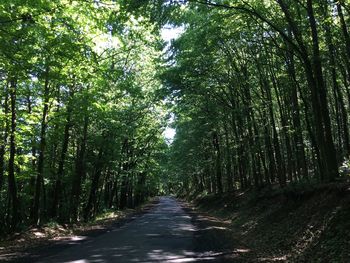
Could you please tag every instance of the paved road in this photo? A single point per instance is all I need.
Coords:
(165, 234)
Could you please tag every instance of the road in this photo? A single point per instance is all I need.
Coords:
(165, 234)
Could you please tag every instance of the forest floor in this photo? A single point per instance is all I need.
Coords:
(299, 224)
(38, 242)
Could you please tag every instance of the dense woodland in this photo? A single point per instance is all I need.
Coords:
(81, 118)
(258, 91)
(262, 94)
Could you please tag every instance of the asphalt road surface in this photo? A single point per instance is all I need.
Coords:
(165, 234)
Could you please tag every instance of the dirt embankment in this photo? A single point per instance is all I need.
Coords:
(298, 224)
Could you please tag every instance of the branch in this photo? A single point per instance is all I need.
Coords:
(254, 13)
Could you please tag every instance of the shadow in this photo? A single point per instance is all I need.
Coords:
(57, 245)
(214, 237)
(165, 234)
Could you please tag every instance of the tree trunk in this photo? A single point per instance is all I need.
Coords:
(324, 132)
(346, 37)
(123, 189)
(298, 135)
(314, 75)
(229, 176)
(4, 138)
(15, 219)
(79, 172)
(58, 183)
(91, 204)
(341, 112)
(40, 172)
(217, 162)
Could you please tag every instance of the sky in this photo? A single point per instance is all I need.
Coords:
(168, 33)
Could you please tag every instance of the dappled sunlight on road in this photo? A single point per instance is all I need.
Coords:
(165, 234)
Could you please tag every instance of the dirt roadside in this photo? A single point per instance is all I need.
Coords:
(214, 236)
(301, 224)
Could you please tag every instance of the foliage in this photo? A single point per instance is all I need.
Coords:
(88, 118)
(261, 91)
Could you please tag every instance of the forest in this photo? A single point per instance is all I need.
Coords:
(258, 92)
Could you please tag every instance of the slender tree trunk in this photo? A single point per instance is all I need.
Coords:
(90, 206)
(4, 138)
(346, 36)
(341, 112)
(314, 75)
(33, 149)
(124, 175)
(229, 176)
(281, 170)
(130, 190)
(79, 172)
(123, 188)
(271, 157)
(40, 172)
(284, 125)
(327, 149)
(15, 219)
(114, 201)
(217, 162)
(298, 135)
(58, 183)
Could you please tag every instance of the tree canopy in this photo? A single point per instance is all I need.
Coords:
(81, 114)
(259, 91)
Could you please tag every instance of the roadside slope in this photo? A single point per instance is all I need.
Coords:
(299, 224)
